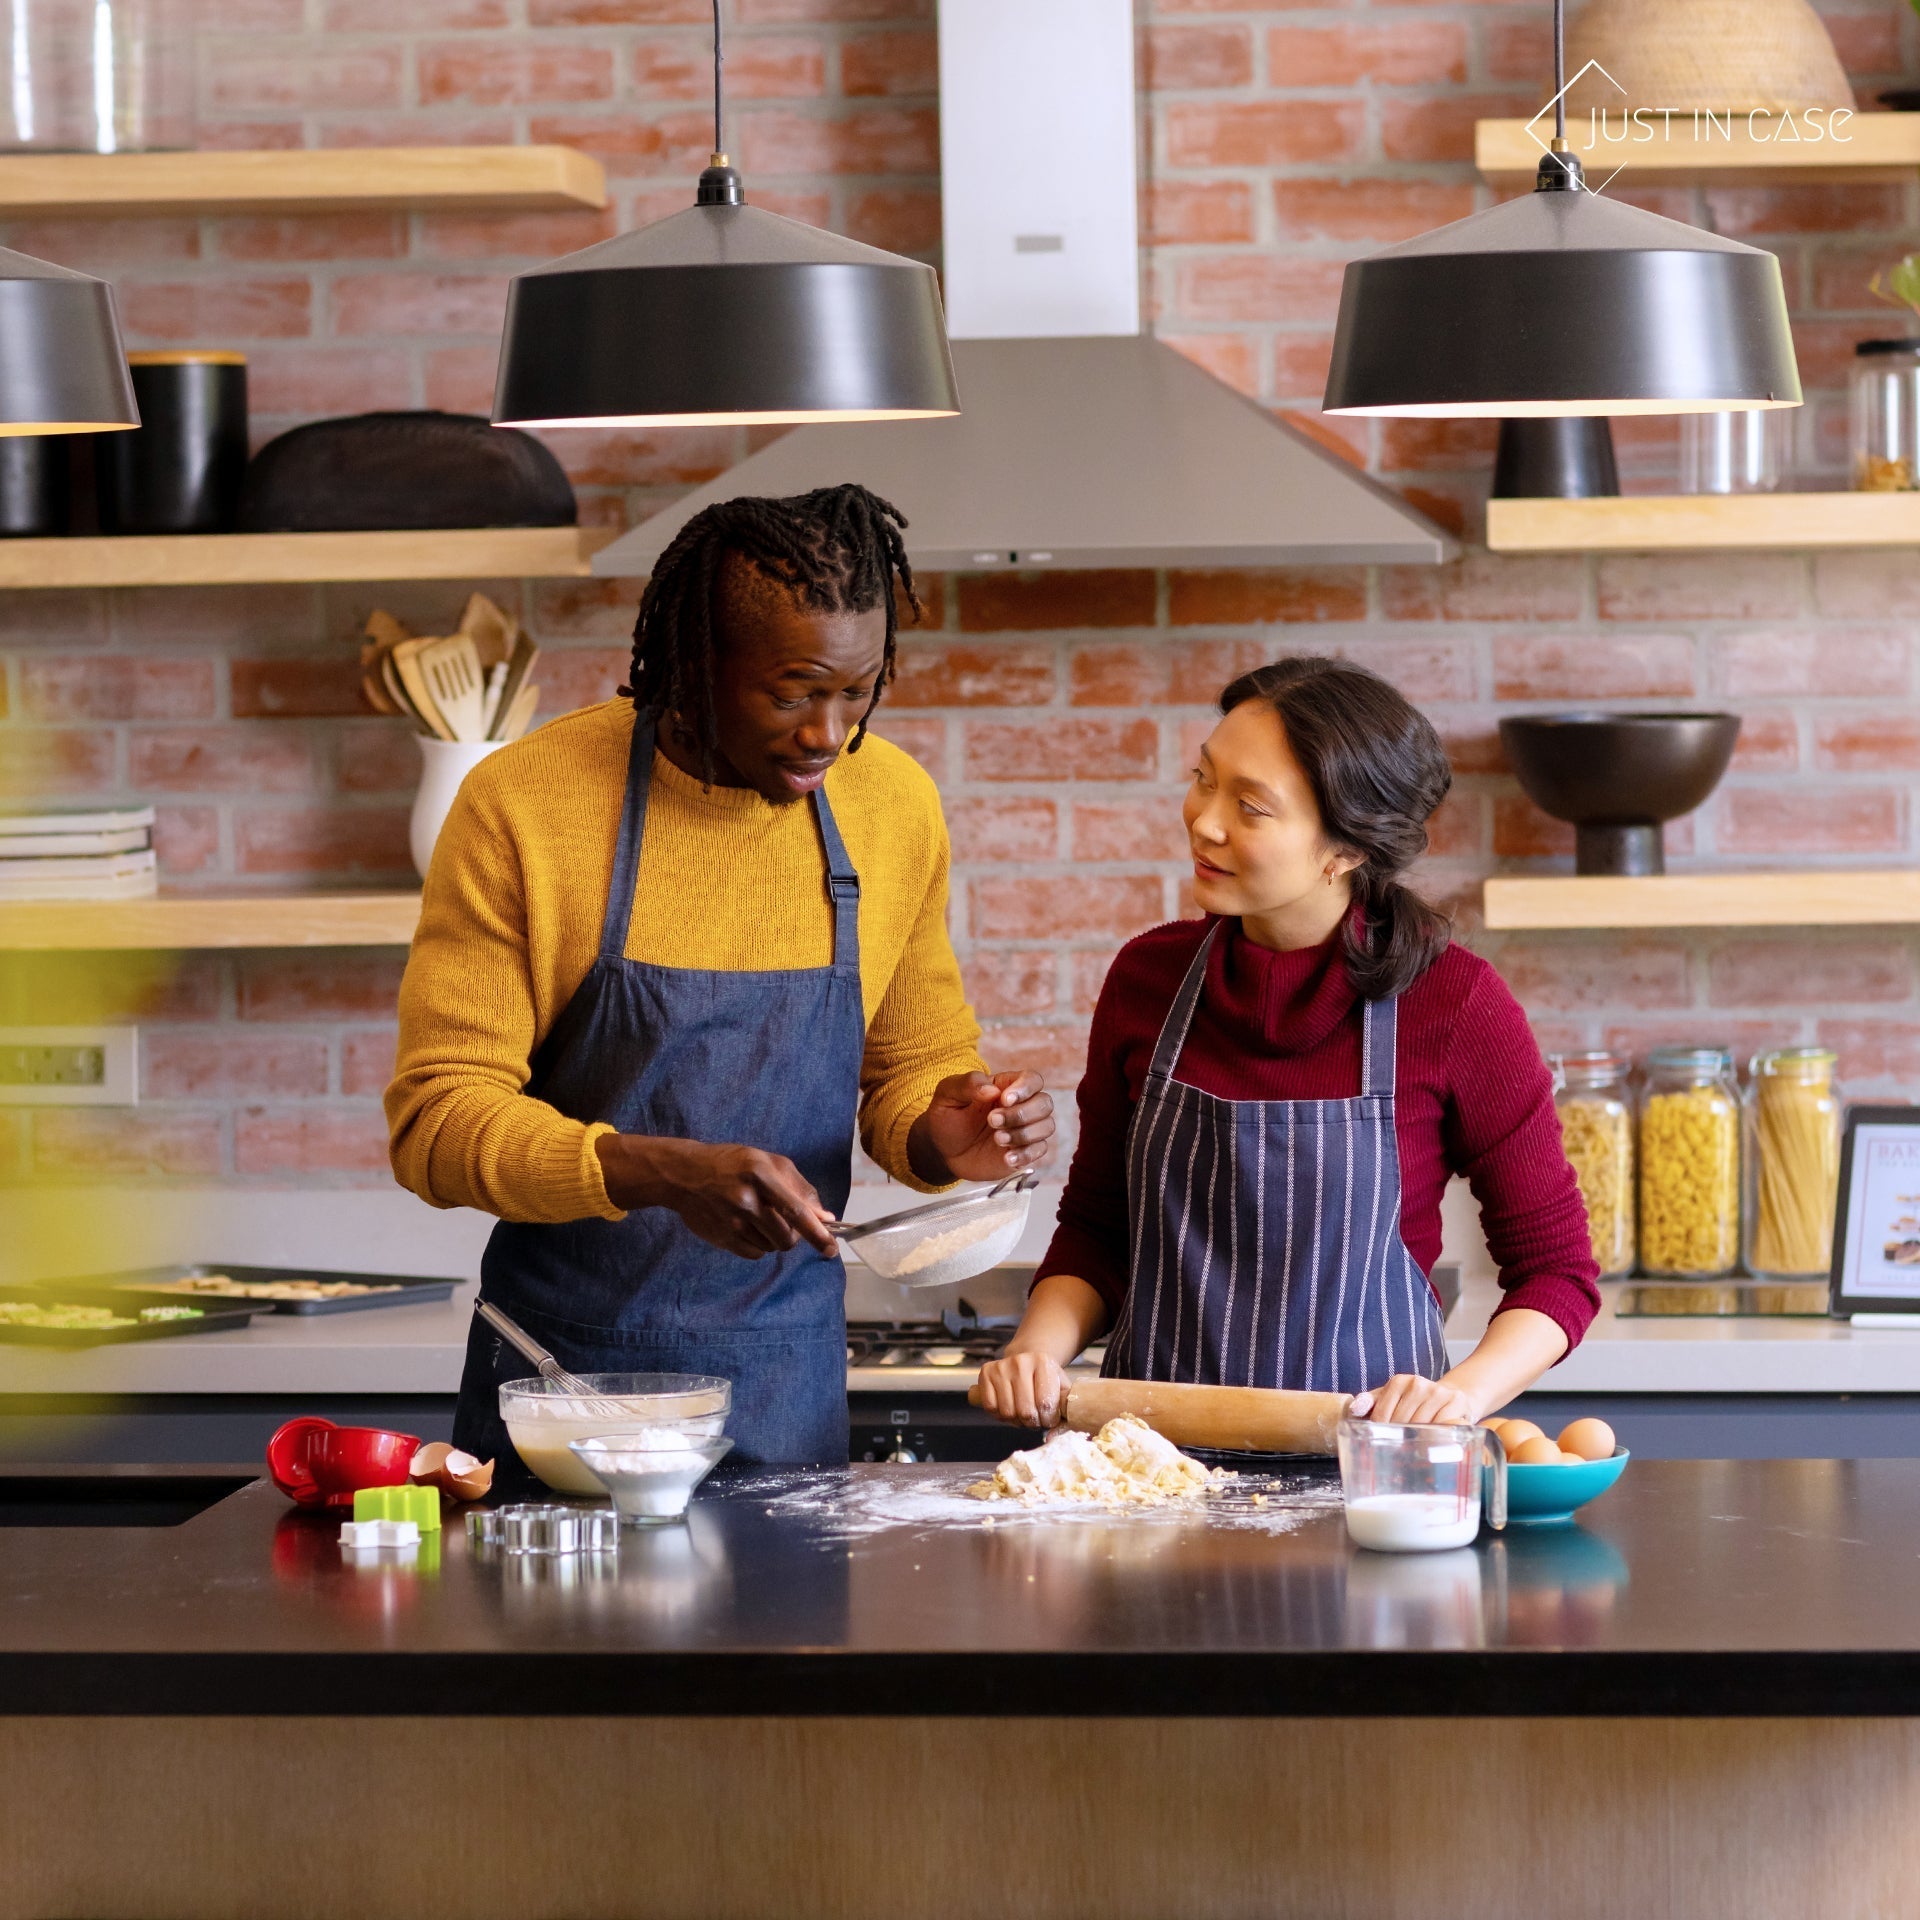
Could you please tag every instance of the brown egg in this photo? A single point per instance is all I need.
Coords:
(1515, 1432)
(1538, 1452)
(1590, 1439)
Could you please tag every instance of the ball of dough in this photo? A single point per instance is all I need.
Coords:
(1590, 1439)
(1538, 1452)
(1516, 1432)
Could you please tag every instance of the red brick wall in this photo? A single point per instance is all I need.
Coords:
(1058, 713)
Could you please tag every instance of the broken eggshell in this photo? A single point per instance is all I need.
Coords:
(459, 1476)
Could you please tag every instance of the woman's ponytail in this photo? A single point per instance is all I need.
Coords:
(1378, 772)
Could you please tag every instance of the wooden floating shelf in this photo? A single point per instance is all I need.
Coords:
(177, 922)
(299, 180)
(1816, 898)
(1638, 522)
(255, 559)
(1685, 152)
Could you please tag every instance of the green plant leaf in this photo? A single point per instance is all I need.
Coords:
(1899, 284)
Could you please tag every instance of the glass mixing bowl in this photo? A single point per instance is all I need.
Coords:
(543, 1422)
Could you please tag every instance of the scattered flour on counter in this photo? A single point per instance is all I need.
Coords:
(867, 1502)
(1126, 1464)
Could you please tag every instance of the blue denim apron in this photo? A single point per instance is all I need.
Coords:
(1265, 1234)
(764, 1059)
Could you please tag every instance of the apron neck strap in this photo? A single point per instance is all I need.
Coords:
(1173, 1030)
(618, 918)
(843, 884)
(1379, 1031)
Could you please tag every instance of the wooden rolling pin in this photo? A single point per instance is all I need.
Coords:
(1238, 1419)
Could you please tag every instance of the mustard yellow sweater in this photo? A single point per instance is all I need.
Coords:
(728, 881)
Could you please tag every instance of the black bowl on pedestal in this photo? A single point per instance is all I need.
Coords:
(1617, 776)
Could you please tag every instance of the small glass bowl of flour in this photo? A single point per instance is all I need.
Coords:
(652, 1471)
(954, 1239)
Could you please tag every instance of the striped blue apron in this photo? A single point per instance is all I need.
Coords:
(1265, 1234)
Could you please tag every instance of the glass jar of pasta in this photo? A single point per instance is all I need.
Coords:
(1793, 1163)
(1596, 1130)
(1689, 1164)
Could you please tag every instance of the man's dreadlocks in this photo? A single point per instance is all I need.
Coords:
(836, 550)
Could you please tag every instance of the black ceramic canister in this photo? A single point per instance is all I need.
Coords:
(180, 471)
(34, 485)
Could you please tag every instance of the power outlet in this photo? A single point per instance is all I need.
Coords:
(69, 1066)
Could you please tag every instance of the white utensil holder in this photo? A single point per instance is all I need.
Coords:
(445, 763)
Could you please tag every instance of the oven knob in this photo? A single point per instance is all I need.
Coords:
(902, 1454)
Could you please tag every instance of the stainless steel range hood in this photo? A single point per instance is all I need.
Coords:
(1081, 442)
(1091, 452)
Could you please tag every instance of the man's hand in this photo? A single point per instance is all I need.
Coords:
(981, 1128)
(739, 1199)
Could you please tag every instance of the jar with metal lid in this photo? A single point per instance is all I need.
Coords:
(1596, 1131)
(1885, 410)
(1689, 1163)
(97, 76)
(1793, 1112)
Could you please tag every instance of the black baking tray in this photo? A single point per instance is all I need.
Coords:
(412, 1290)
(216, 1316)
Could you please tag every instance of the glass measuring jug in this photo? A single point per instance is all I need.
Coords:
(1420, 1489)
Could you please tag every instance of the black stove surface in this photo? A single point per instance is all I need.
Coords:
(959, 1338)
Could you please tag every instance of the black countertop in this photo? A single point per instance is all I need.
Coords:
(1693, 1588)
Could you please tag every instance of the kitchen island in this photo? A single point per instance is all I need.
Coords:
(849, 1694)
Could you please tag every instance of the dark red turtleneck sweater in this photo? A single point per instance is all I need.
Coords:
(1474, 1097)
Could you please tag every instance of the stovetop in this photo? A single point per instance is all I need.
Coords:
(959, 1338)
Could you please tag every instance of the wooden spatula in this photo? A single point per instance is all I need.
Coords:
(491, 630)
(454, 676)
(406, 666)
(1235, 1419)
(526, 703)
(520, 663)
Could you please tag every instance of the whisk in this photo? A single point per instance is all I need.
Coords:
(550, 1369)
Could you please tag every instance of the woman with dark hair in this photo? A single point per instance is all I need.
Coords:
(1276, 1096)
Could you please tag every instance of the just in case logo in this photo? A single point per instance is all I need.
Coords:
(1608, 129)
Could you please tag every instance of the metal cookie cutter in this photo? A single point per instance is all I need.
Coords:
(544, 1529)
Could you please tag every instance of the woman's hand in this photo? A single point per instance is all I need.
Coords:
(738, 1199)
(1410, 1400)
(981, 1128)
(1023, 1389)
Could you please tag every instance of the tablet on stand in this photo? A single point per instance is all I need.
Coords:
(1876, 1221)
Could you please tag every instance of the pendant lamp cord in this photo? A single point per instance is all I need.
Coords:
(1559, 66)
(720, 60)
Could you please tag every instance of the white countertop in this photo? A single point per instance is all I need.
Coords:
(419, 1350)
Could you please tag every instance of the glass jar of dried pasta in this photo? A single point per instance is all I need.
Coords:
(1793, 1111)
(1596, 1131)
(1885, 409)
(1689, 1164)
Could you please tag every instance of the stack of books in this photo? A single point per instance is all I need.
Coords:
(102, 855)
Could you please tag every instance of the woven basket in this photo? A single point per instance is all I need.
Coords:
(1728, 55)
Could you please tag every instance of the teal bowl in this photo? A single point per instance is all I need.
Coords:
(1543, 1496)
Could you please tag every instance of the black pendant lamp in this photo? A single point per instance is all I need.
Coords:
(1562, 303)
(62, 366)
(723, 315)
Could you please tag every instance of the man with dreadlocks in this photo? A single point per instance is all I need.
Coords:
(675, 950)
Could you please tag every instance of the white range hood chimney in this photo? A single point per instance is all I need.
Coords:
(1081, 442)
